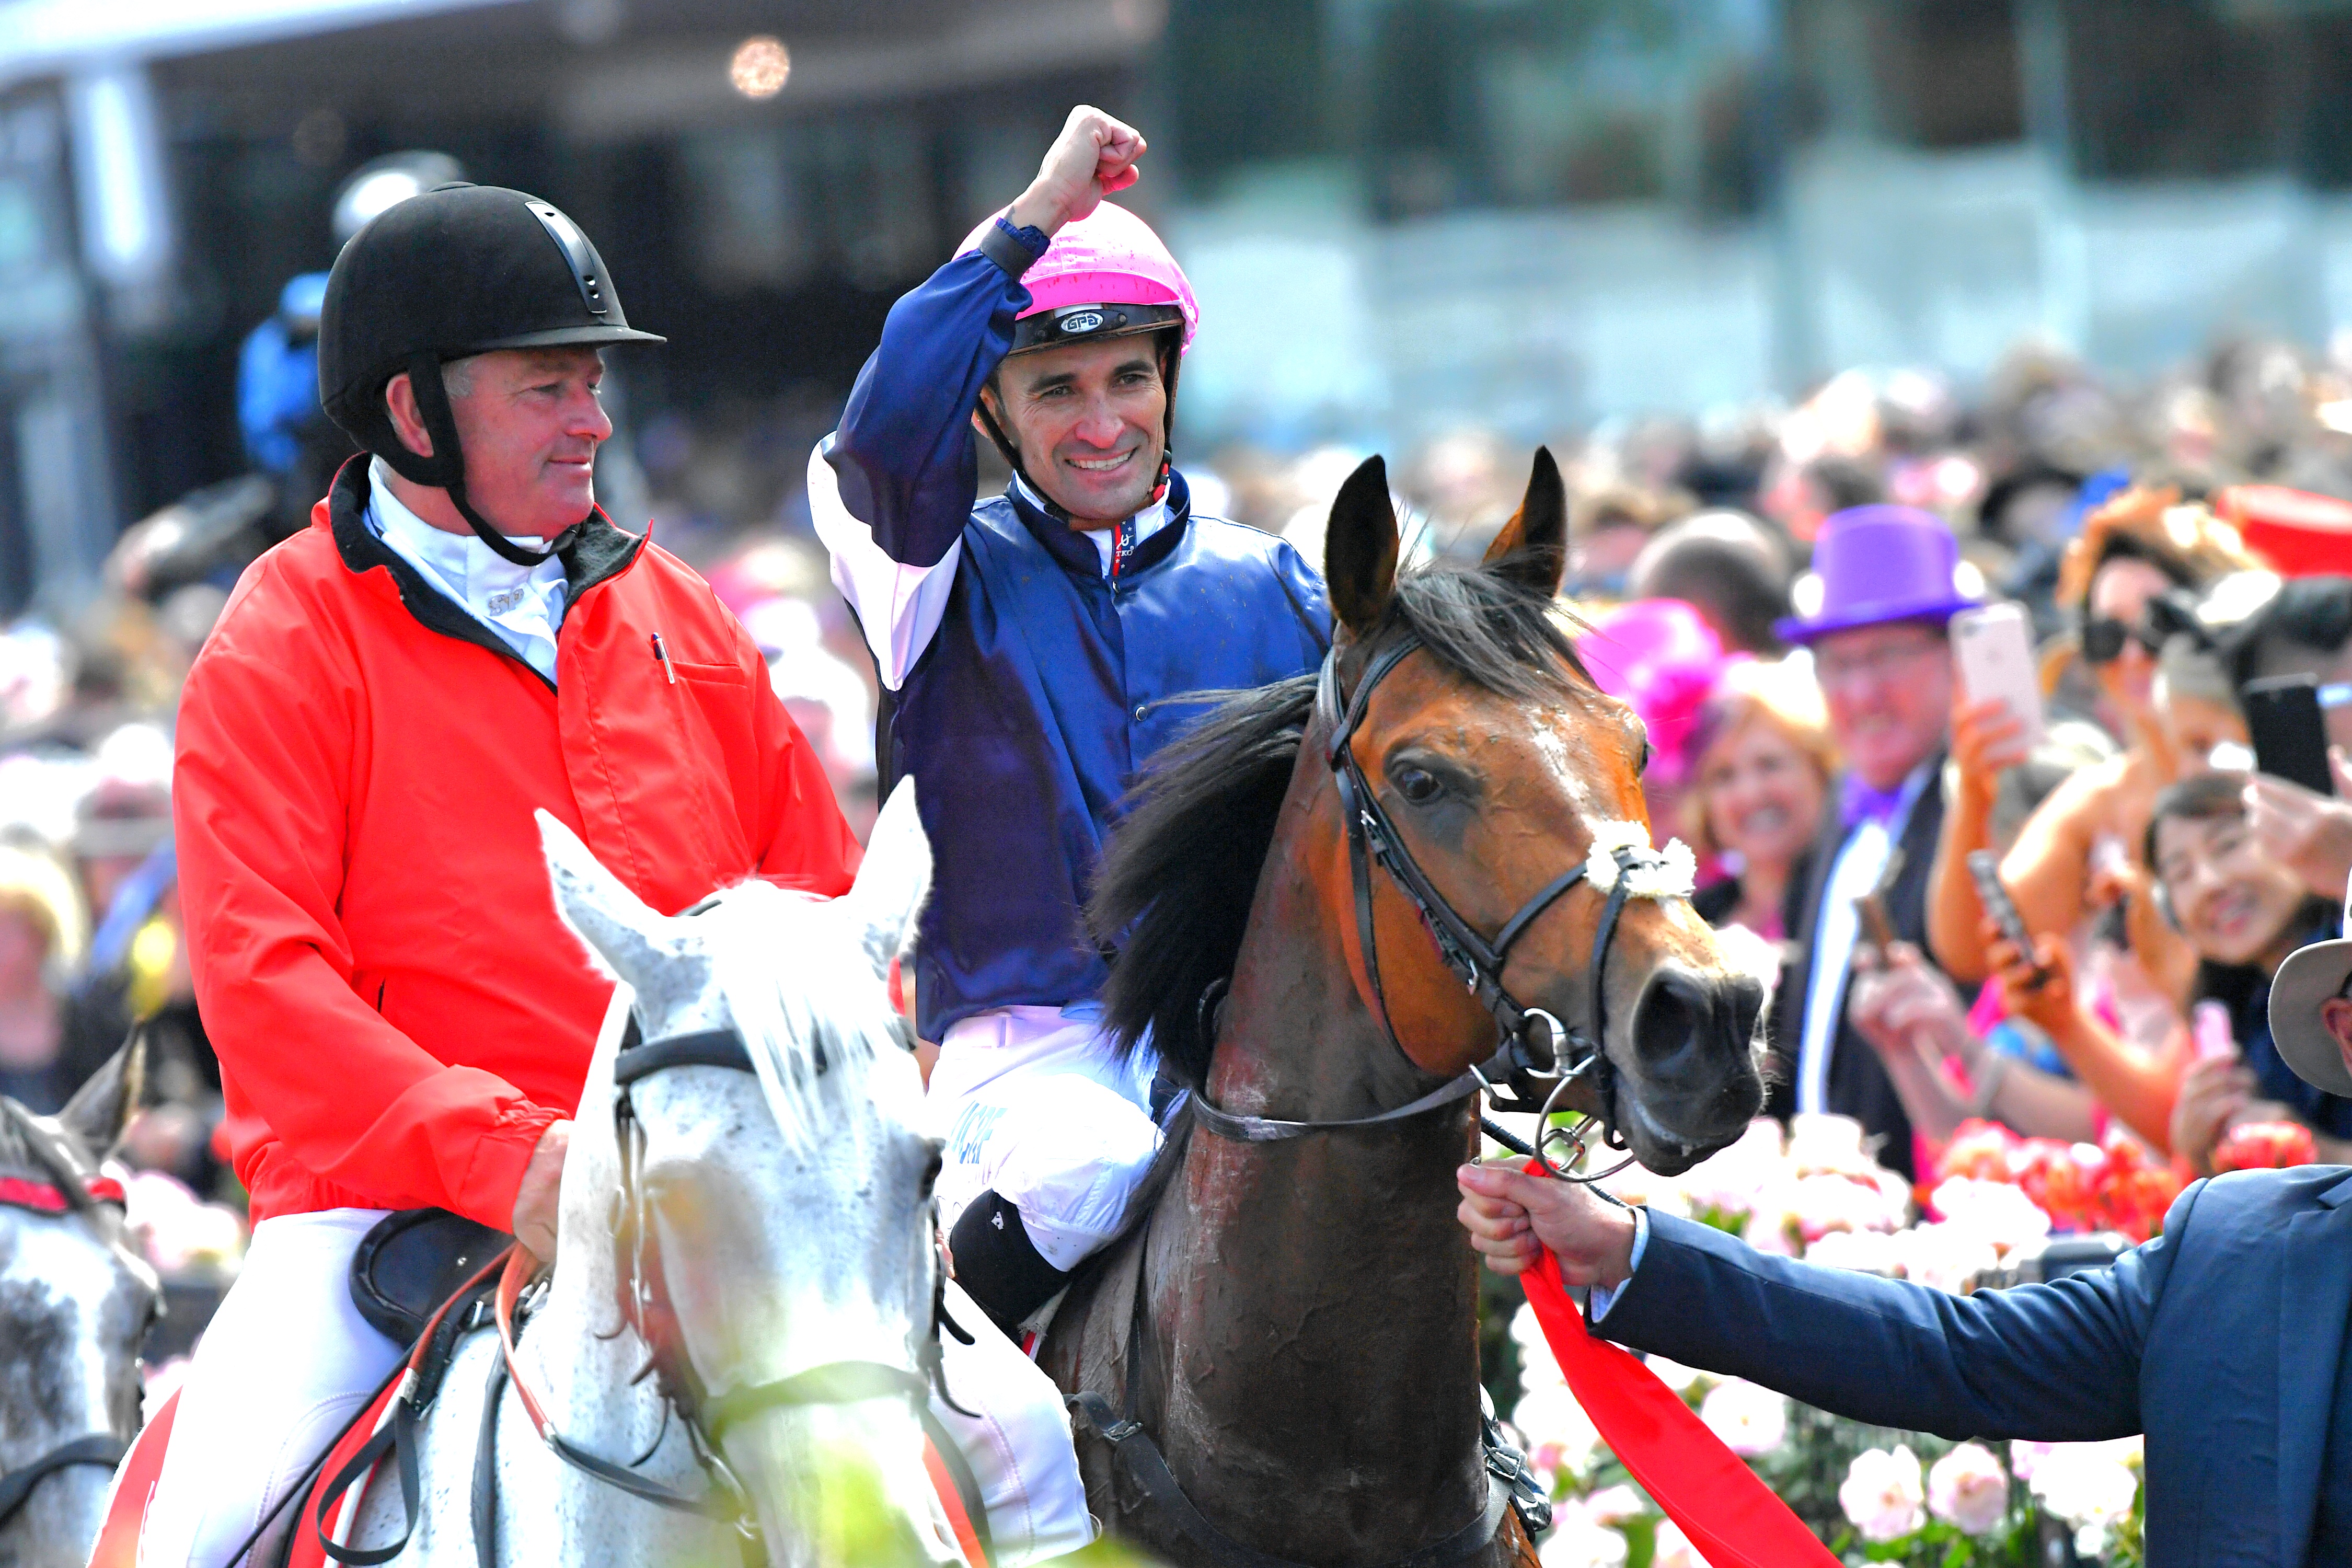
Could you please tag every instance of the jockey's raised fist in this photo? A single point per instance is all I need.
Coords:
(1094, 155)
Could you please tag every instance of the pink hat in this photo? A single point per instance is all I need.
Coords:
(1664, 659)
(1108, 259)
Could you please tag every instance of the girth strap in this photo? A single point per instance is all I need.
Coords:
(97, 1449)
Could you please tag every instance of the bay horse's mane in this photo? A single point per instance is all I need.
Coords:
(1177, 879)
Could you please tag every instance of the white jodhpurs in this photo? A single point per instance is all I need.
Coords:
(1017, 1441)
(1037, 1107)
(286, 1362)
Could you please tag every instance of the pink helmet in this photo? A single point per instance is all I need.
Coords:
(1108, 260)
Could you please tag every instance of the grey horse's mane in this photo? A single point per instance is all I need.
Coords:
(800, 989)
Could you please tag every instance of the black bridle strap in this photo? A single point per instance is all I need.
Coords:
(702, 1048)
(17, 1485)
(834, 1382)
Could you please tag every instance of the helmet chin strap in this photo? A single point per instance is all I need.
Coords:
(446, 466)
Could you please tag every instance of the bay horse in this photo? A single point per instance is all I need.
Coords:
(1292, 1323)
(76, 1300)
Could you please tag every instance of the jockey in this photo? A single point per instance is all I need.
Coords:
(459, 636)
(1037, 648)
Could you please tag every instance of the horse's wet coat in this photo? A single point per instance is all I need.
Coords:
(1308, 1324)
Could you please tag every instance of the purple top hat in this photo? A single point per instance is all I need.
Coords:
(1877, 564)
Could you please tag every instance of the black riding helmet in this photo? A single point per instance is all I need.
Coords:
(455, 271)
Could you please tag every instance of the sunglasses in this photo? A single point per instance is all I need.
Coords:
(2103, 637)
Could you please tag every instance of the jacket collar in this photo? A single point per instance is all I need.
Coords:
(600, 552)
(1076, 553)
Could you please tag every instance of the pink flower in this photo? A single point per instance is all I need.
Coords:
(1967, 1488)
(1883, 1494)
(1750, 1419)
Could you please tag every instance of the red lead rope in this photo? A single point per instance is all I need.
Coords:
(1731, 1517)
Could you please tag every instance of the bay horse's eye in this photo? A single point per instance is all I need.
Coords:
(1416, 786)
(1644, 766)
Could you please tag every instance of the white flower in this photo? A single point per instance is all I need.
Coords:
(1819, 1137)
(1882, 1495)
(1824, 1203)
(1731, 1180)
(1967, 1488)
(1576, 1541)
(1998, 1212)
(1946, 1256)
(1675, 1375)
(1750, 1419)
(2025, 1454)
(1614, 1505)
(1862, 1251)
(2091, 1485)
(1674, 1550)
(1560, 1435)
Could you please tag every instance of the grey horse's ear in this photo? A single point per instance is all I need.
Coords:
(627, 937)
(893, 882)
(101, 1109)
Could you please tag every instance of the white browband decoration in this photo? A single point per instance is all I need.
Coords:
(1668, 873)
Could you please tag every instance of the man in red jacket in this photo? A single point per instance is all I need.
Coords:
(458, 639)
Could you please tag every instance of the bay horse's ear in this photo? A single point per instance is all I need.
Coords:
(1359, 549)
(1532, 549)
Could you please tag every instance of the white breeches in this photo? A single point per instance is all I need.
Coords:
(1036, 1107)
(286, 1362)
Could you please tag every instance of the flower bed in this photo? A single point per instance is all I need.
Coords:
(1873, 1495)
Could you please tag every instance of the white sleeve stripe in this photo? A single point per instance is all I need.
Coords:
(900, 606)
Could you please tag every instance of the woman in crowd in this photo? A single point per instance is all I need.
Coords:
(2132, 550)
(1763, 760)
(41, 942)
(1949, 1062)
(2243, 912)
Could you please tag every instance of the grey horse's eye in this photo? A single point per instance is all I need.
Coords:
(931, 1172)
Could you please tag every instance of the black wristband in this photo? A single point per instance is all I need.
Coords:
(997, 1264)
(1004, 245)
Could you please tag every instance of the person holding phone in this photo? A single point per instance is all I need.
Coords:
(1880, 652)
(2133, 550)
(2245, 912)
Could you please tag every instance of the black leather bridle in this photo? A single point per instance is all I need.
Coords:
(1538, 1074)
(645, 1305)
(78, 1194)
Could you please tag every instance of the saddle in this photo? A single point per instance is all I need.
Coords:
(413, 1261)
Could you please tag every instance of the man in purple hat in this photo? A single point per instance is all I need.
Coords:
(1884, 664)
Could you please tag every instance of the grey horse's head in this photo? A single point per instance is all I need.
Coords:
(792, 1204)
(75, 1303)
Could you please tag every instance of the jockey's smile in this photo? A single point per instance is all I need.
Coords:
(1097, 413)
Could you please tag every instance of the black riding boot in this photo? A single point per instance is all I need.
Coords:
(999, 1267)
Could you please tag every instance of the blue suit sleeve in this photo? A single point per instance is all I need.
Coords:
(2058, 1361)
(904, 454)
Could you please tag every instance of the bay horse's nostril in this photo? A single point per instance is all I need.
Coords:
(1686, 1024)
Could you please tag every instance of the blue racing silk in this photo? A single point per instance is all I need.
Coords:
(1031, 678)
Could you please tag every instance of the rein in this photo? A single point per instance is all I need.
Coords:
(67, 1190)
(1475, 960)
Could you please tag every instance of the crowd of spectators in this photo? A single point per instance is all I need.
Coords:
(2170, 541)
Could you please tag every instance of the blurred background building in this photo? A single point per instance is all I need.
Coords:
(1402, 216)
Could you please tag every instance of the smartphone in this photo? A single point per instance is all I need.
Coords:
(1877, 927)
(1984, 868)
(2290, 734)
(1993, 647)
(2209, 1030)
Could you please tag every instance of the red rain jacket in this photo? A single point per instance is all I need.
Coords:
(399, 1010)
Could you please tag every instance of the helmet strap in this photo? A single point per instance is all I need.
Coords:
(445, 469)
